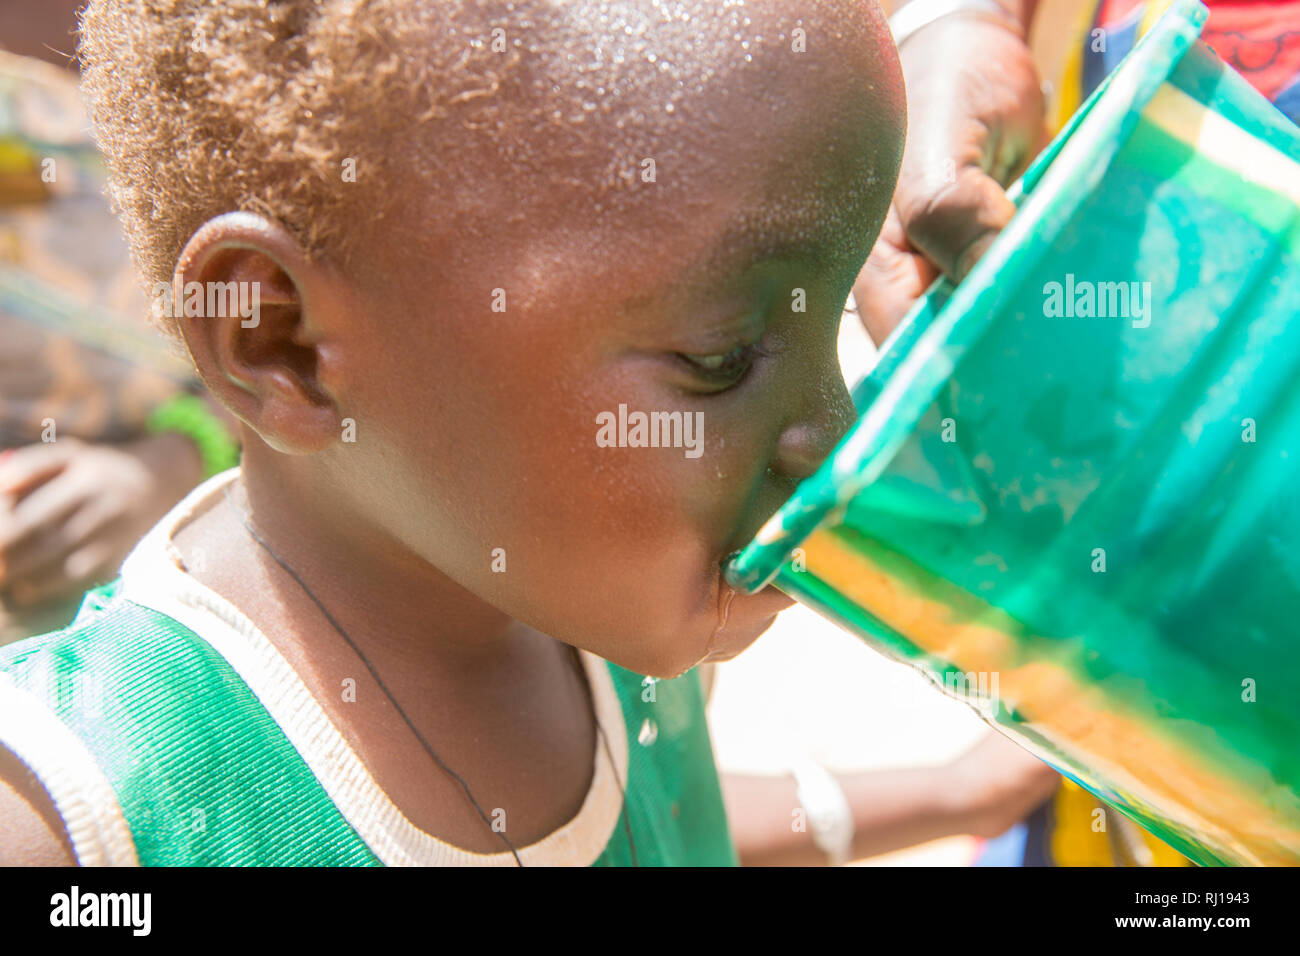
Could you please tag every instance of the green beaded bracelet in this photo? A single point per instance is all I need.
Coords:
(190, 416)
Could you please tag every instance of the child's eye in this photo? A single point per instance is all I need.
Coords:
(724, 368)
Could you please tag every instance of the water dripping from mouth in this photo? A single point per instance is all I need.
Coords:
(726, 606)
(725, 598)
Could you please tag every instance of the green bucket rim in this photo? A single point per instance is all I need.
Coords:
(924, 350)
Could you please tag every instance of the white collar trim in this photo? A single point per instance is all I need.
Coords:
(154, 577)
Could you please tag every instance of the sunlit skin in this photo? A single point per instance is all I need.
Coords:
(476, 429)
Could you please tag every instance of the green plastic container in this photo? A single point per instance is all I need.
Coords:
(1073, 494)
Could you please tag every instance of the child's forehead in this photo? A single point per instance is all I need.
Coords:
(693, 228)
(625, 73)
(625, 113)
(684, 174)
(651, 267)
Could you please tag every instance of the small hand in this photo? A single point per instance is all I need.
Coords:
(71, 511)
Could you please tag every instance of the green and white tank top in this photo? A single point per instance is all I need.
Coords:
(169, 731)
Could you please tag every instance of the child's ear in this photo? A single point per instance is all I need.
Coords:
(242, 297)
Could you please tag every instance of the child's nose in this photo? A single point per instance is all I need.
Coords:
(827, 414)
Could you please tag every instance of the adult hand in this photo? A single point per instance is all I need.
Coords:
(975, 120)
(71, 511)
(998, 784)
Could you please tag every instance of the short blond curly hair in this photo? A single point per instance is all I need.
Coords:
(204, 107)
(208, 106)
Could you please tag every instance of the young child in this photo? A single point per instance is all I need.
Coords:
(477, 234)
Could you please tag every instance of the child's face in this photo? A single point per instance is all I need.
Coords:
(482, 429)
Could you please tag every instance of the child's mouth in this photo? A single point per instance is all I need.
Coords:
(741, 619)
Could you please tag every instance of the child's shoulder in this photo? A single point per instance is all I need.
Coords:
(56, 804)
(153, 750)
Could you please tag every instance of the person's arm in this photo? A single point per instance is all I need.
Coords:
(975, 120)
(982, 793)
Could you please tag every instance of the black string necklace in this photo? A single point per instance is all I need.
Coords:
(284, 565)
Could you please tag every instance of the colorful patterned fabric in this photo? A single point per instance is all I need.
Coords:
(1260, 39)
(77, 345)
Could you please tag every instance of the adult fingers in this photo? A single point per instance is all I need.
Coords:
(49, 504)
(956, 224)
(22, 469)
(893, 278)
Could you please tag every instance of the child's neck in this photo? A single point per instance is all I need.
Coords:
(503, 704)
(364, 578)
